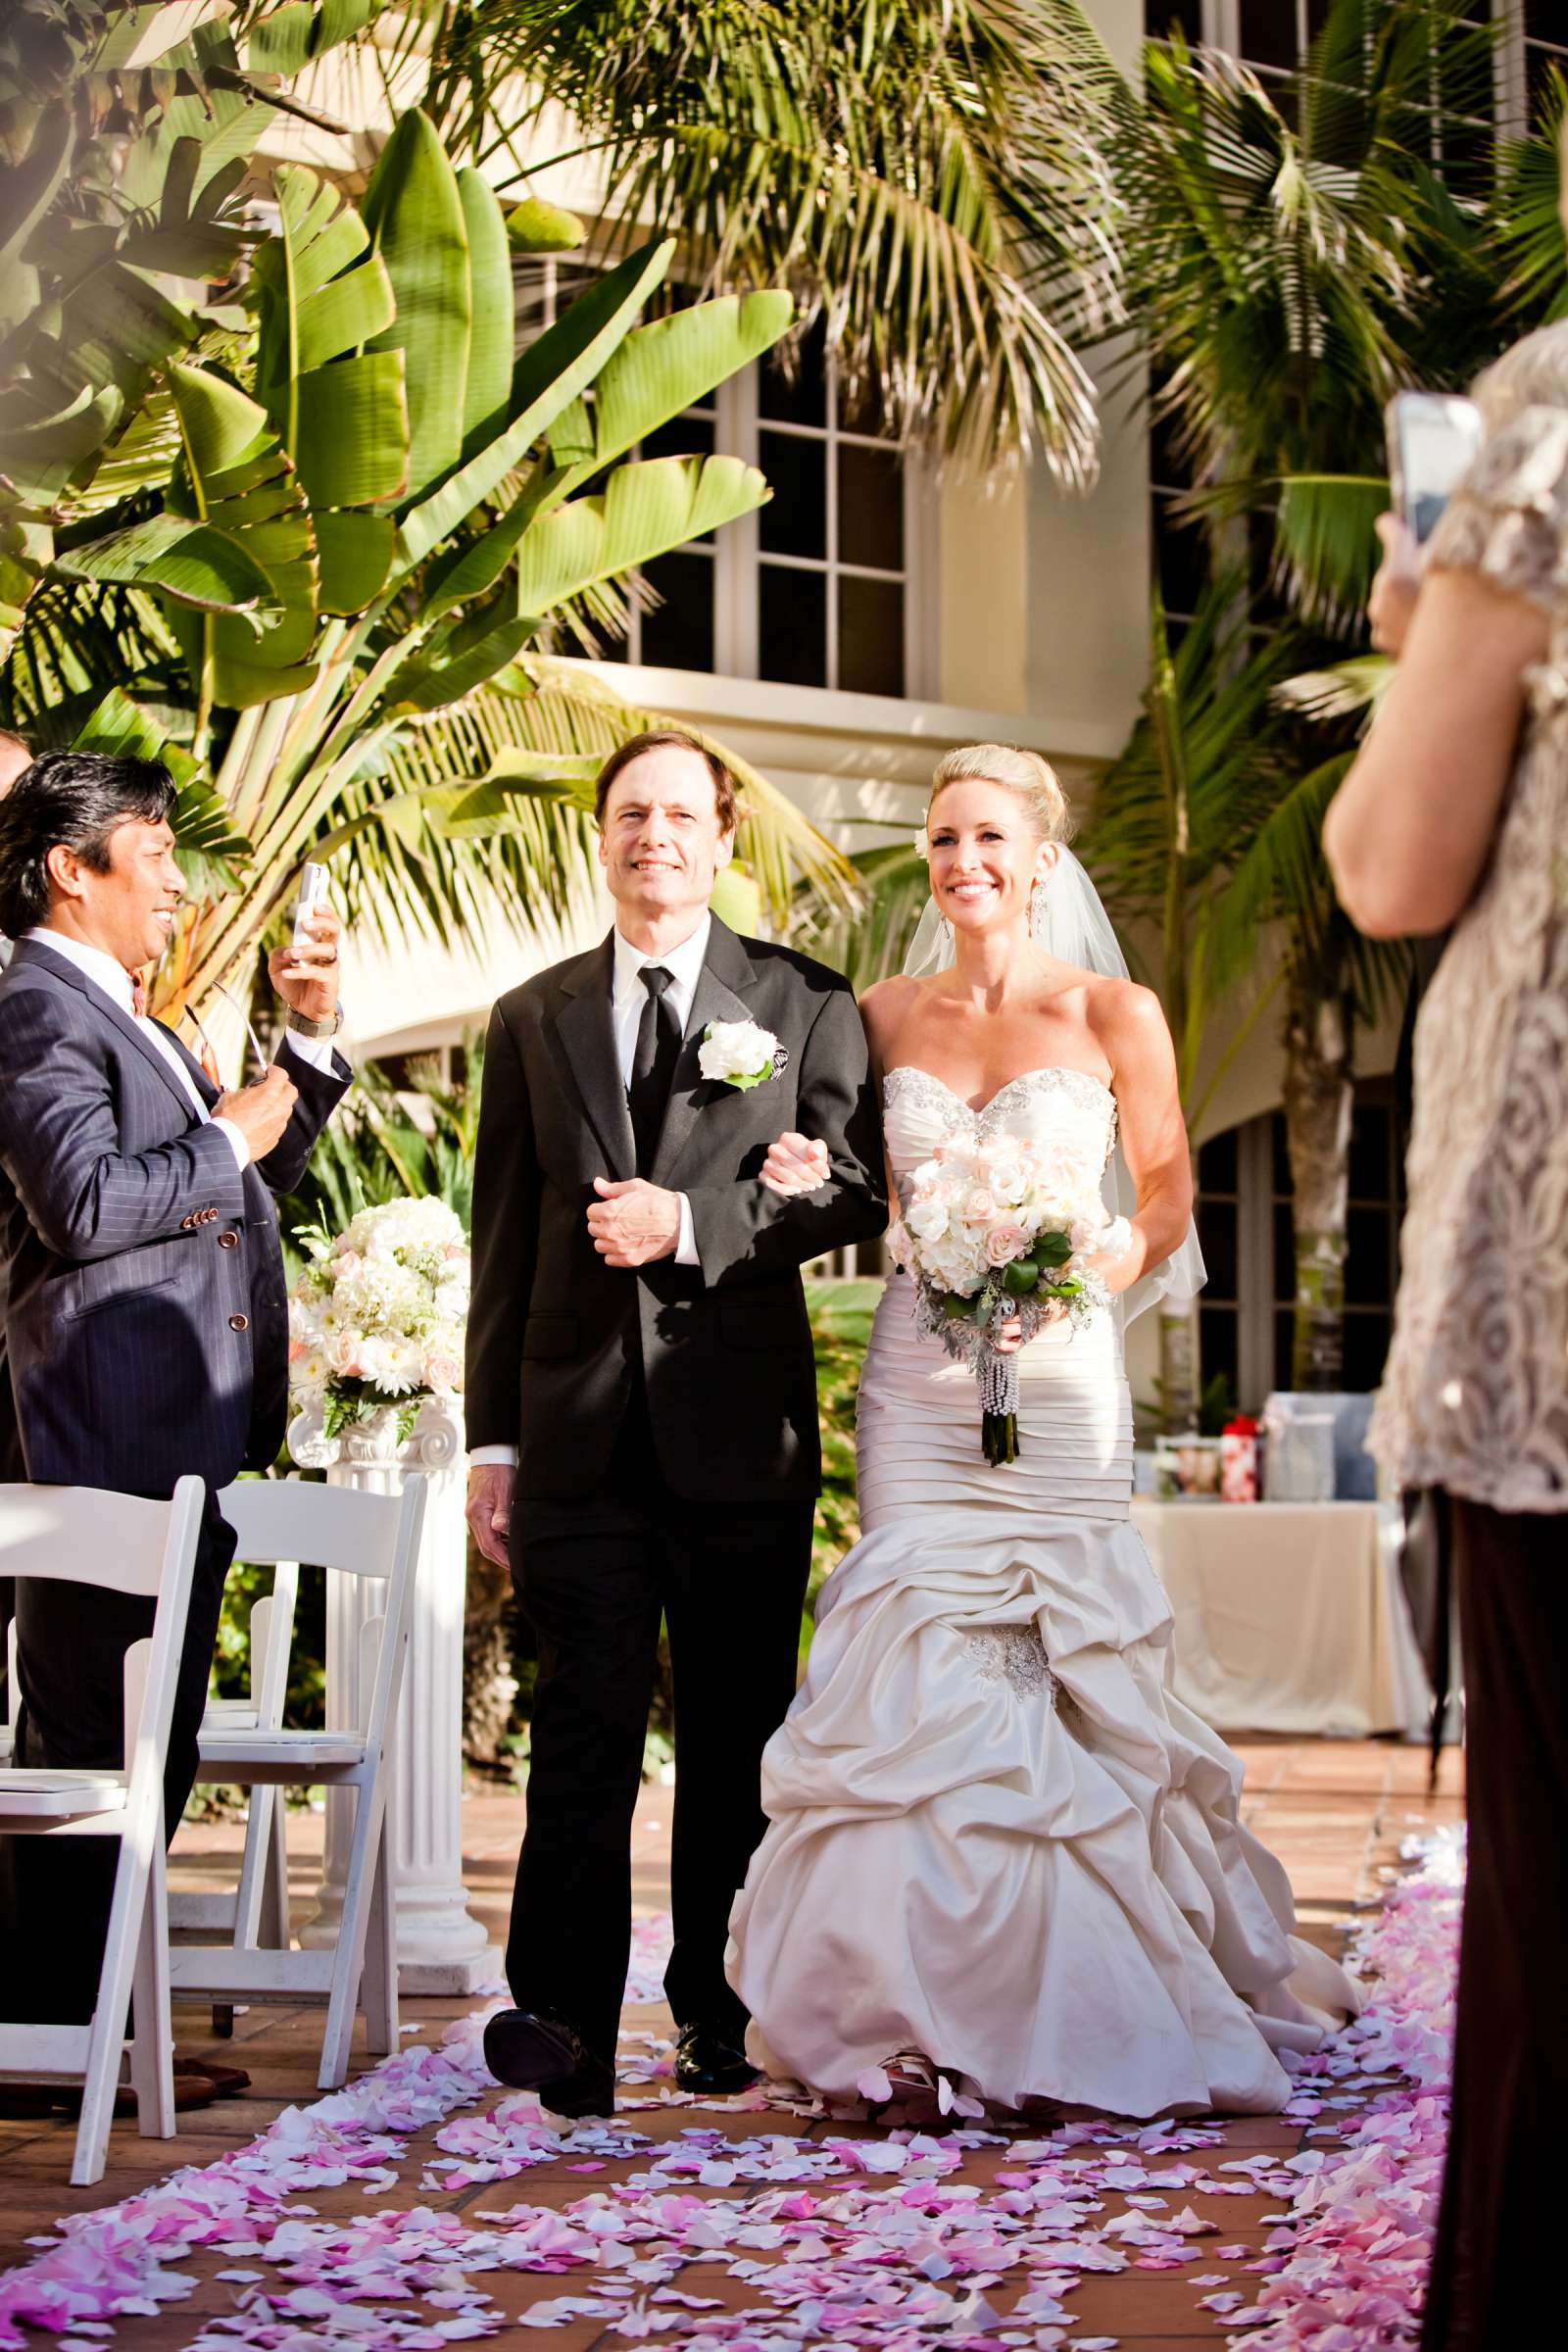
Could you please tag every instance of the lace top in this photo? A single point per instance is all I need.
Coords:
(1067, 1109)
(1475, 1394)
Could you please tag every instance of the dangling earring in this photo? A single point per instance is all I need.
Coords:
(1038, 898)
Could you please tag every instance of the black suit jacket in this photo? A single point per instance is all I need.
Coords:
(556, 1339)
(147, 1317)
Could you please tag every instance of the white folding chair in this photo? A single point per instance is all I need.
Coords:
(254, 1913)
(349, 1533)
(85, 1536)
(8, 1729)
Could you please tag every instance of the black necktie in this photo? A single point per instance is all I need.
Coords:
(652, 1065)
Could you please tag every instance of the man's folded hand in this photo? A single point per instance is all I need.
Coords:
(489, 1508)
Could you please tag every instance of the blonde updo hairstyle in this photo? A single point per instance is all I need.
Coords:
(1025, 774)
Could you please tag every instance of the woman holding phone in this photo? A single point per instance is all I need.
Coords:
(1456, 813)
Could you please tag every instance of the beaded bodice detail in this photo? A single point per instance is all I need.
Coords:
(1067, 1109)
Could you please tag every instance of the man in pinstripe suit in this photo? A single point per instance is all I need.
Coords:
(13, 758)
(146, 1320)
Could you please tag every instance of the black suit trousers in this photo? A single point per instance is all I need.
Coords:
(1493, 2259)
(594, 1575)
(55, 1893)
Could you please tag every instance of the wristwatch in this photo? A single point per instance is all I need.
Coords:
(300, 1027)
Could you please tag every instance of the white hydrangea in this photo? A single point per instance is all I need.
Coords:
(379, 1314)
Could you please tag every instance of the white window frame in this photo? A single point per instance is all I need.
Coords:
(739, 557)
(1513, 83)
(737, 551)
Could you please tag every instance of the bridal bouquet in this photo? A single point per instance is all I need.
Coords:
(989, 1232)
(376, 1317)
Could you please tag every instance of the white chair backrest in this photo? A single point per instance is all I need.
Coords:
(350, 1531)
(87, 1535)
(271, 1631)
(342, 1528)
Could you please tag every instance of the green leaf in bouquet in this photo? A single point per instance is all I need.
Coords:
(1051, 1248)
(956, 1305)
(1020, 1277)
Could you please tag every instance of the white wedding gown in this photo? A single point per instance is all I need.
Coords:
(996, 1835)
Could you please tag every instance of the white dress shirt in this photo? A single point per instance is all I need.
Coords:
(629, 995)
(108, 973)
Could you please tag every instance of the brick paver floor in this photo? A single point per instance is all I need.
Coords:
(1335, 1813)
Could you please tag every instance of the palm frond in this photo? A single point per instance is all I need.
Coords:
(408, 869)
(1221, 692)
(868, 941)
(1325, 549)
(1529, 228)
(929, 177)
(1346, 691)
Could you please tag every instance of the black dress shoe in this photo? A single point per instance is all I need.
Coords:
(545, 2054)
(708, 2061)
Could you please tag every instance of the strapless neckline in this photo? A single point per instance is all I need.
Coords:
(1049, 1070)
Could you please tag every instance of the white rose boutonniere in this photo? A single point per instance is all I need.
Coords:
(739, 1053)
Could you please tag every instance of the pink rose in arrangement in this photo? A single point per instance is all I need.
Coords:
(1004, 1243)
(343, 1353)
(980, 1207)
(345, 1262)
(444, 1374)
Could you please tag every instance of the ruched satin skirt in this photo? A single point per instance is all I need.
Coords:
(996, 1837)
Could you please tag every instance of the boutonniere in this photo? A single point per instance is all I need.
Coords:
(739, 1053)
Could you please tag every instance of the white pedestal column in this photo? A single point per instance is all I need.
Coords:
(442, 1948)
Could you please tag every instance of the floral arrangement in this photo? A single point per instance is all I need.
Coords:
(989, 1234)
(376, 1317)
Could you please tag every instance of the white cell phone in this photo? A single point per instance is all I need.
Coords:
(1433, 438)
(314, 881)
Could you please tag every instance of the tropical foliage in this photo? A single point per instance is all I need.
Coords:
(1297, 253)
(930, 177)
(307, 520)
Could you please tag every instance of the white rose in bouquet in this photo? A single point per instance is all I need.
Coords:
(996, 1234)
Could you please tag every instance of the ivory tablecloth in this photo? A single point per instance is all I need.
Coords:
(1288, 1616)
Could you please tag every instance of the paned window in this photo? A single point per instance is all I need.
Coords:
(832, 582)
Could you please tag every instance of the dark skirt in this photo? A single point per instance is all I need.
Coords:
(1496, 2239)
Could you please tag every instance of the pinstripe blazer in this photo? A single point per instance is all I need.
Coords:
(147, 1315)
(12, 1465)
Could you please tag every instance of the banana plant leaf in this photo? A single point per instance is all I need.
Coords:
(550, 374)
(413, 210)
(239, 477)
(191, 563)
(644, 509)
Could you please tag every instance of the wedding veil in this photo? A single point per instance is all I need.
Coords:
(1069, 922)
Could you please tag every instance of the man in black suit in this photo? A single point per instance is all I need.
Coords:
(147, 1317)
(642, 1400)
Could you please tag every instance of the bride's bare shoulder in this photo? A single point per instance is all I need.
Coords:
(1126, 1019)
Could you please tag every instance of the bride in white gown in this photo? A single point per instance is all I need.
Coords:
(1000, 1848)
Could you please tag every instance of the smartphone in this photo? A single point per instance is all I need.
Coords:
(313, 890)
(1433, 437)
